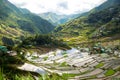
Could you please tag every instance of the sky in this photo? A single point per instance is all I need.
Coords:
(57, 6)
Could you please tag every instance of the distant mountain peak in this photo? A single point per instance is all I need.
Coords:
(57, 19)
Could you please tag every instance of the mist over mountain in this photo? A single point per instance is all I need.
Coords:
(57, 19)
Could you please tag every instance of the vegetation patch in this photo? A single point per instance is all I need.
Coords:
(63, 64)
(63, 53)
(34, 57)
(118, 69)
(67, 75)
(99, 65)
(65, 56)
(1, 74)
(45, 58)
(29, 77)
(42, 40)
(109, 72)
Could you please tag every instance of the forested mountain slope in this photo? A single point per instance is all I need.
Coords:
(20, 18)
(98, 24)
(16, 22)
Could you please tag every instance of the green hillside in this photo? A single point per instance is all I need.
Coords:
(97, 25)
(14, 17)
(9, 32)
(16, 22)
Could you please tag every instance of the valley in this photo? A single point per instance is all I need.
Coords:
(54, 46)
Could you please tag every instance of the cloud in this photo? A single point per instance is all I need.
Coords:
(57, 6)
(63, 5)
(21, 4)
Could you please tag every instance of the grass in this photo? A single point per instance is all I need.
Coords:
(8, 67)
(55, 76)
(34, 57)
(70, 75)
(45, 58)
(9, 73)
(65, 56)
(75, 40)
(99, 65)
(118, 69)
(52, 76)
(109, 72)
(67, 75)
(1, 74)
(63, 64)
(29, 77)
(64, 53)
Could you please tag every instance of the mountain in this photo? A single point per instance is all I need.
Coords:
(56, 19)
(23, 19)
(105, 5)
(16, 23)
(96, 24)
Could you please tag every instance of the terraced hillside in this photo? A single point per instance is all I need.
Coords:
(77, 65)
(9, 32)
(100, 23)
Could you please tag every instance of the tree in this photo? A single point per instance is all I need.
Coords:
(7, 41)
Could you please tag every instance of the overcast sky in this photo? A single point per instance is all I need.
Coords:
(57, 6)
